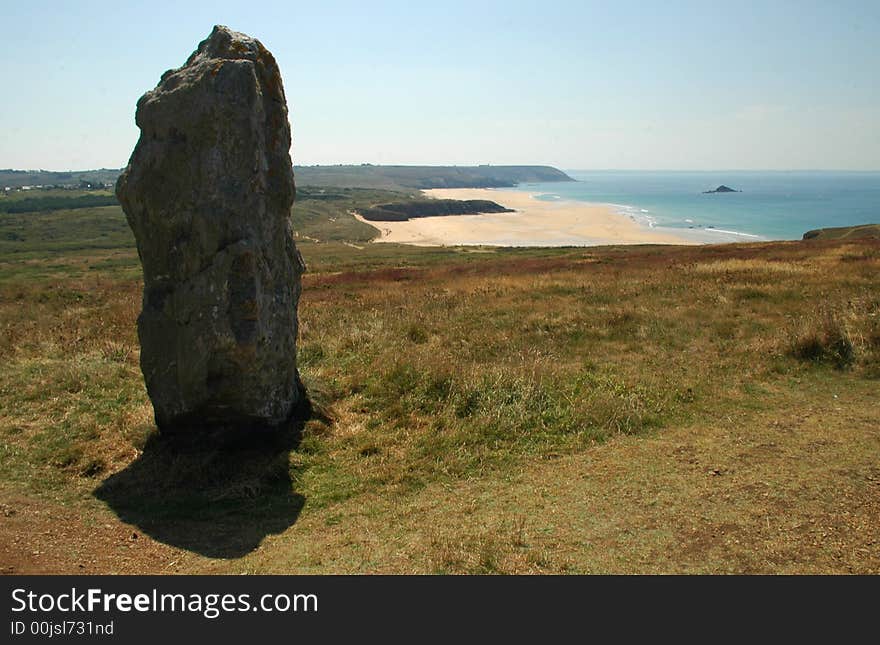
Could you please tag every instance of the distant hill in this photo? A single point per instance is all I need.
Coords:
(844, 232)
(71, 179)
(362, 176)
(422, 177)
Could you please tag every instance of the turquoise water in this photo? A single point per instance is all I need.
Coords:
(772, 205)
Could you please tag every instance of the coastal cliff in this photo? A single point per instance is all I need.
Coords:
(844, 232)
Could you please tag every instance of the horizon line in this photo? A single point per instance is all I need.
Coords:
(483, 165)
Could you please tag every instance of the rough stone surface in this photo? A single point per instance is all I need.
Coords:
(208, 192)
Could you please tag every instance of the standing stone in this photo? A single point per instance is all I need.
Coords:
(208, 192)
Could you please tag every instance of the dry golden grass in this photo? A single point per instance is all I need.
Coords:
(752, 266)
(581, 410)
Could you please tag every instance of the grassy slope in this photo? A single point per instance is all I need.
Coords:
(615, 409)
(844, 232)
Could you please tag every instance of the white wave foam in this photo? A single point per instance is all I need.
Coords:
(545, 196)
(639, 215)
(721, 230)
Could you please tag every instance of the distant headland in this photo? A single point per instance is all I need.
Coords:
(426, 177)
(360, 176)
(721, 189)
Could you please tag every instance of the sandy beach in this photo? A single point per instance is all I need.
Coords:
(535, 223)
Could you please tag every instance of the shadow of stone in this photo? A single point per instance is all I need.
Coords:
(216, 493)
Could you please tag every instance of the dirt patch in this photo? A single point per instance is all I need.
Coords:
(39, 537)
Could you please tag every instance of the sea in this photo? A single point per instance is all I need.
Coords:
(772, 205)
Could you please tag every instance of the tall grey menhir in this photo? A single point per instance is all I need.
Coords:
(208, 192)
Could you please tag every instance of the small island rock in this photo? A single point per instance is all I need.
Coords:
(722, 189)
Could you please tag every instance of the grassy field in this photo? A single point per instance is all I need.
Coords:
(475, 410)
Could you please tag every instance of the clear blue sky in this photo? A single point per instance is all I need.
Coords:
(614, 84)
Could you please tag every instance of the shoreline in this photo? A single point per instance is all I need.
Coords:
(534, 223)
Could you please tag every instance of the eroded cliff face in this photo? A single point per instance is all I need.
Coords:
(208, 192)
